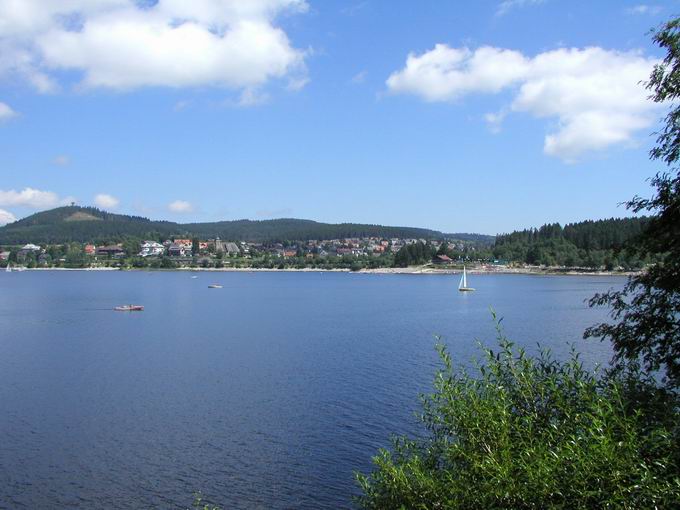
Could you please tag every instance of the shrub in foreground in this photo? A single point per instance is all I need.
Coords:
(532, 432)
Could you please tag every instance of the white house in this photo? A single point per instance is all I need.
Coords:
(151, 249)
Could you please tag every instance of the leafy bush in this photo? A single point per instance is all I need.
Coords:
(532, 432)
(199, 504)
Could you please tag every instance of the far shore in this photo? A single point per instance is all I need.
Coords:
(413, 270)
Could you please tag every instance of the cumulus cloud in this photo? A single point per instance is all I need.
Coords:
(29, 197)
(180, 206)
(126, 44)
(445, 74)
(6, 112)
(6, 217)
(593, 94)
(106, 201)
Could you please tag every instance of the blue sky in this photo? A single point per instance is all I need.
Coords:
(507, 114)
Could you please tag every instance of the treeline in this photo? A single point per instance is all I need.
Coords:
(423, 253)
(593, 244)
(280, 230)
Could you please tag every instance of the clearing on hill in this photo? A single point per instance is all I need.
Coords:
(82, 216)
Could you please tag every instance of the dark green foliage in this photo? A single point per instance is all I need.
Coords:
(414, 254)
(592, 244)
(168, 263)
(646, 312)
(533, 433)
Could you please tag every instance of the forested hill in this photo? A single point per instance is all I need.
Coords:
(586, 244)
(301, 230)
(88, 224)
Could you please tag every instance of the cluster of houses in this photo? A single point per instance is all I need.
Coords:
(183, 248)
(372, 246)
(23, 253)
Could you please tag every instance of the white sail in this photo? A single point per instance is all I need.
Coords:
(463, 286)
(8, 268)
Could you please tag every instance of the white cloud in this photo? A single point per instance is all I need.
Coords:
(252, 97)
(180, 206)
(644, 9)
(181, 105)
(360, 77)
(495, 120)
(123, 44)
(296, 83)
(106, 201)
(444, 73)
(507, 5)
(29, 197)
(353, 9)
(62, 160)
(6, 112)
(6, 217)
(594, 94)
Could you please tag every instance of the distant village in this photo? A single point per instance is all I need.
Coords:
(180, 252)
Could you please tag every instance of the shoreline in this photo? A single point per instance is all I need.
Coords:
(413, 270)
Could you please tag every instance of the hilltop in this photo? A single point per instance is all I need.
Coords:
(89, 224)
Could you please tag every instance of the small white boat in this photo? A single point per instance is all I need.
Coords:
(462, 285)
(129, 308)
(214, 286)
(8, 269)
(194, 277)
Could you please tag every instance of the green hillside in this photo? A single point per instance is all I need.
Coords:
(88, 224)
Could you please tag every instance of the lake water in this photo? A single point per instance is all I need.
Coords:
(267, 393)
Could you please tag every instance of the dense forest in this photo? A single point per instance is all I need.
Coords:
(88, 224)
(602, 243)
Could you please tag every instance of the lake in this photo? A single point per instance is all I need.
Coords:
(267, 393)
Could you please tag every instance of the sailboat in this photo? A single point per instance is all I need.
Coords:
(8, 268)
(462, 286)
